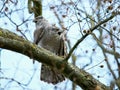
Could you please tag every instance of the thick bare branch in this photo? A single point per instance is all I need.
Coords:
(11, 41)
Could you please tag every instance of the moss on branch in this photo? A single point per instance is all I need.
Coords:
(11, 41)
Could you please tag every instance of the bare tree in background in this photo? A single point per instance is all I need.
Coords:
(106, 37)
(93, 35)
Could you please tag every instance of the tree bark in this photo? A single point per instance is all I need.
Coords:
(13, 42)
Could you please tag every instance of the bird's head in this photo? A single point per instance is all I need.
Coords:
(38, 19)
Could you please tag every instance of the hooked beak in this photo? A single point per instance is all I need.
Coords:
(34, 20)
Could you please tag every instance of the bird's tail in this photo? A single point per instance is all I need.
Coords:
(51, 75)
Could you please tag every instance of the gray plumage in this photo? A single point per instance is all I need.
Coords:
(49, 37)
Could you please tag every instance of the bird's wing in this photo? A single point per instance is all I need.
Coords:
(38, 35)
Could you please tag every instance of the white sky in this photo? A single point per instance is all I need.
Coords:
(21, 68)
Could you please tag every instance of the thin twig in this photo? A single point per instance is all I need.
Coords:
(91, 30)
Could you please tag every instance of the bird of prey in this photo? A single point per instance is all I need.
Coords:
(49, 37)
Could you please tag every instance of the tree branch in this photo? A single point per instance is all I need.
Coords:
(91, 30)
(11, 41)
(35, 6)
